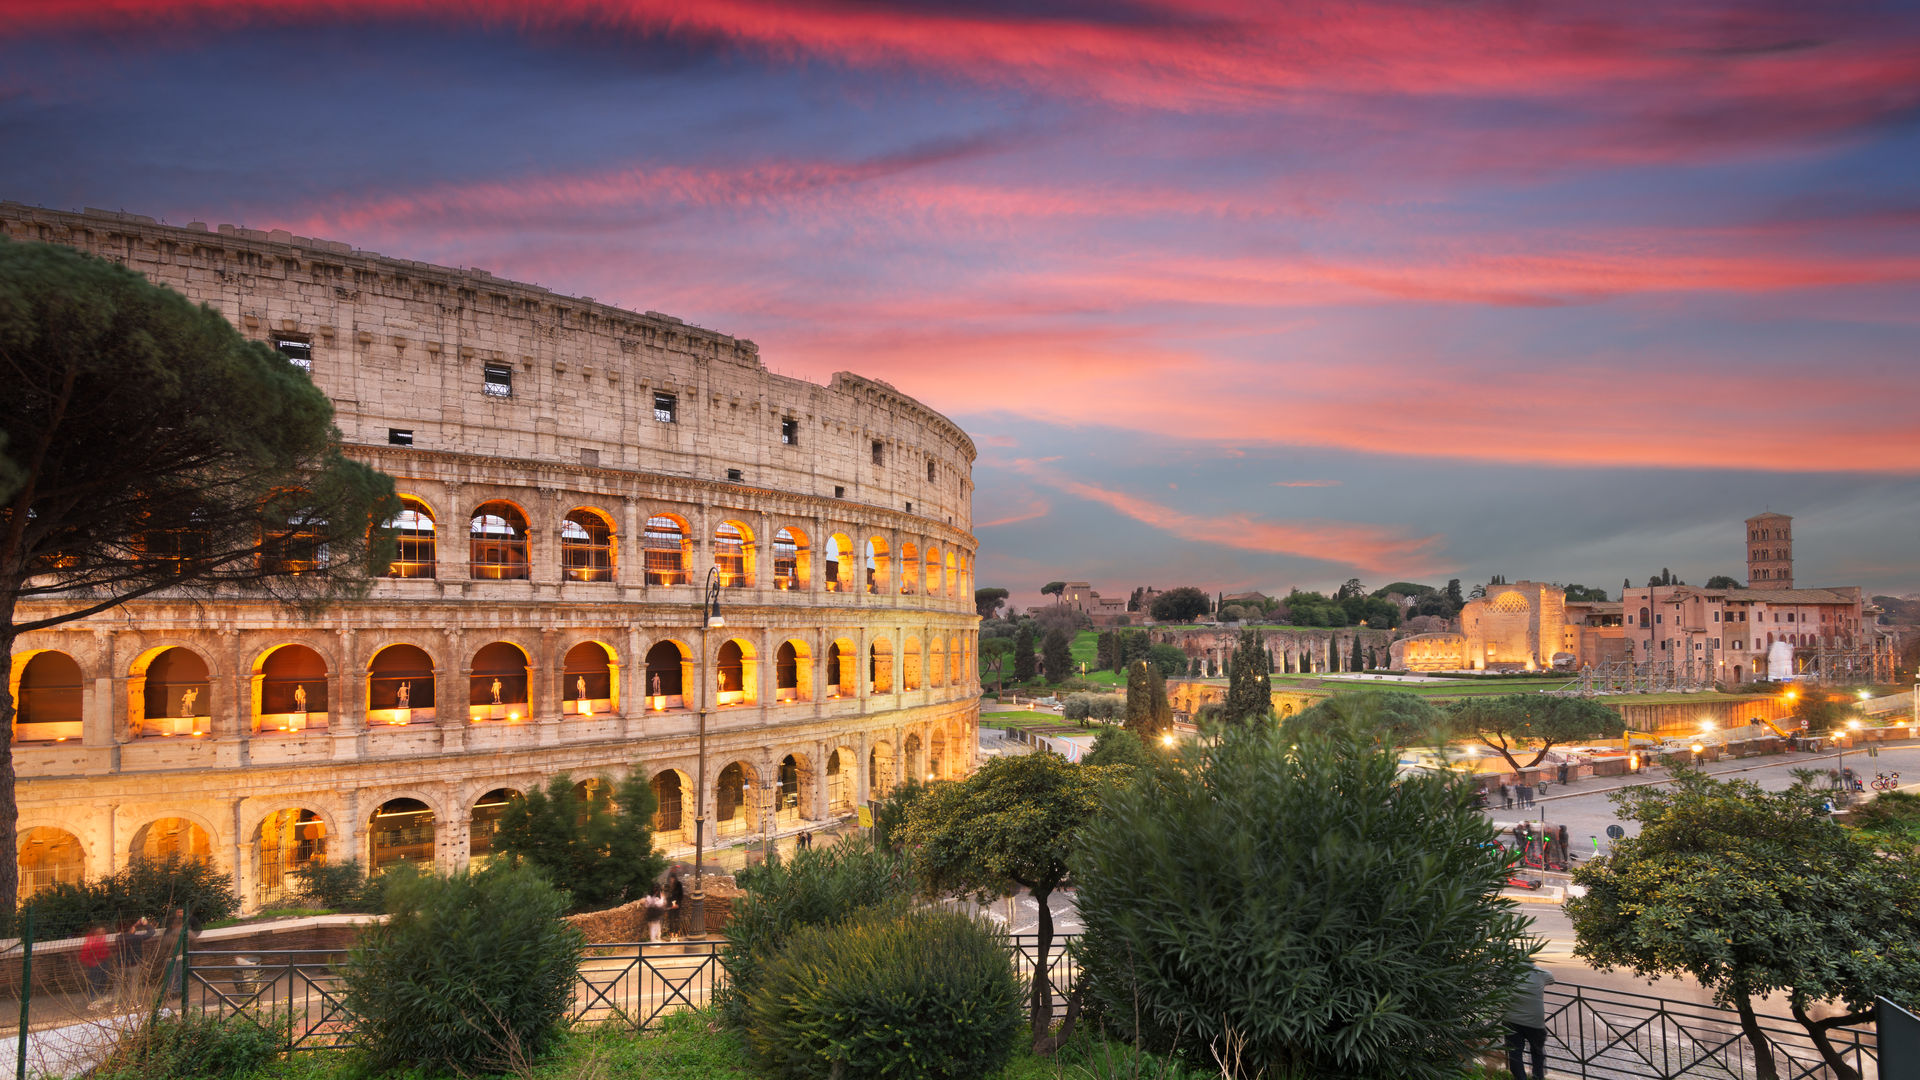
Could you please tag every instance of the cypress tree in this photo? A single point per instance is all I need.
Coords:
(1057, 648)
(1249, 691)
(1357, 664)
(1333, 655)
(1023, 658)
(1148, 711)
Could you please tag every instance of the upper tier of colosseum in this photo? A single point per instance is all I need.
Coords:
(461, 361)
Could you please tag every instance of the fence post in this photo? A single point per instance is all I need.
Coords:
(26, 994)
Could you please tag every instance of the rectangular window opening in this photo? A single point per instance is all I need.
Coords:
(589, 456)
(839, 492)
(499, 381)
(666, 408)
(879, 452)
(297, 348)
(735, 475)
(399, 436)
(790, 431)
(930, 472)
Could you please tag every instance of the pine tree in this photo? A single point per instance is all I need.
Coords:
(1023, 659)
(1249, 690)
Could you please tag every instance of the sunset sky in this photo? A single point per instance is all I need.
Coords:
(1236, 294)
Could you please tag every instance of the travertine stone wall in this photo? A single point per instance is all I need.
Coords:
(404, 345)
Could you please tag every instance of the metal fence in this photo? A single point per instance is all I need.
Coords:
(1600, 1034)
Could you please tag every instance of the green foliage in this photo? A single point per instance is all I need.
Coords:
(1349, 608)
(1752, 892)
(1053, 588)
(468, 974)
(1057, 651)
(1822, 709)
(1118, 746)
(1892, 817)
(1093, 707)
(1183, 604)
(916, 995)
(1393, 718)
(1511, 721)
(345, 886)
(890, 813)
(195, 1045)
(1249, 690)
(1023, 658)
(987, 602)
(1582, 594)
(1292, 892)
(150, 888)
(1170, 659)
(1148, 711)
(818, 887)
(599, 849)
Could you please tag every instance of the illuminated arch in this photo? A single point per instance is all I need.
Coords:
(589, 680)
(497, 683)
(587, 545)
(839, 569)
(48, 695)
(49, 856)
(936, 662)
(671, 789)
(289, 690)
(284, 842)
(483, 823)
(911, 675)
(171, 839)
(669, 675)
(497, 542)
(878, 566)
(667, 548)
(400, 685)
(880, 666)
(843, 665)
(933, 571)
(736, 673)
(791, 569)
(170, 692)
(733, 554)
(400, 830)
(793, 671)
(416, 552)
(909, 568)
(953, 575)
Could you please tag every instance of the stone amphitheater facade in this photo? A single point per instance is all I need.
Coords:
(606, 464)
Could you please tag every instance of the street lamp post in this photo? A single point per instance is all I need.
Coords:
(697, 902)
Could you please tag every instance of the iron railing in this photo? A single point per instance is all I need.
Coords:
(1600, 1034)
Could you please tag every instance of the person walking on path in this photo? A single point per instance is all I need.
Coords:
(1506, 796)
(95, 951)
(656, 912)
(1527, 1024)
(676, 904)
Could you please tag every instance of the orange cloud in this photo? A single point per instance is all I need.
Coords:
(1370, 548)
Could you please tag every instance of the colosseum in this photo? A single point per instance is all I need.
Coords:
(608, 465)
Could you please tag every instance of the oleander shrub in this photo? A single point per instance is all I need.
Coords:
(470, 973)
(1286, 897)
(195, 1045)
(818, 886)
(916, 995)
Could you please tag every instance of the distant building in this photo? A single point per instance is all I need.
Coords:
(1731, 630)
(1523, 626)
(1770, 552)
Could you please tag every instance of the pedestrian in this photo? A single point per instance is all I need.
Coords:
(1565, 771)
(95, 951)
(676, 904)
(1527, 1024)
(1526, 796)
(656, 912)
(1506, 795)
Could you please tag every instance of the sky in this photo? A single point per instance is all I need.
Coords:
(1244, 295)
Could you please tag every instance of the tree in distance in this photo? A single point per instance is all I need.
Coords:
(1249, 690)
(1119, 746)
(1148, 712)
(1723, 581)
(1507, 723)
(1390, 717)
(1053, 588)
(1024, 662)
(597, 845)
(1582, 594)
(1056, 649)
(994, 653)
(1014, 822)
(988, 602)
(1171, 661)
(1754, 892)
(145, 445)
(1183, 604)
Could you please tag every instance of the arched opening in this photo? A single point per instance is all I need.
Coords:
(790, 569)
(909, 565)
(843, 664)
(47, 698)
(49, 856)
(956, 662)
(880, 770)
(880, 667)
(292, 534)
(839, 569)
(933, 570)
(415, 553)
(286, 841)
(171, 839)
(173, 693)
(401, 830)
(484, 823)
(289, 690)
(669, 816)
(400, 686)
(913, 758)
(667, 548)
(586, 546)
(497, 688)
(735, 673)
(586, 680)
(497, 542)
(910, 673)
(953, 574)
(591, 792)
(937, 753)
(789, 791)
(667, 673)
(840, 783)
(733, 554)
(793, 672)
(878, 565)
(735, 810)
(936, 662)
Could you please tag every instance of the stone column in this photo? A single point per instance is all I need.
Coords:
(816, 800)
(862, 788)
(103, 710)
(451, 538)
(630, 564)
(543, 538)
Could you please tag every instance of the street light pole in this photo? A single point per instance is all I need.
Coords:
(697, 903)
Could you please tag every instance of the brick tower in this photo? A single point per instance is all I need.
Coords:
(1770, 552)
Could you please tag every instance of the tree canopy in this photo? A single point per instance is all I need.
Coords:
(1024, 661)
(1512, 721)
(1583, 594)
(1249, 689)
(1183, 604)
(1724, 581)
(598, 847)
(988, 602)
(1056, 649)
(1053, 588)
(1754, 892)
(146, 445)
(1148, 711)
(1392, 717)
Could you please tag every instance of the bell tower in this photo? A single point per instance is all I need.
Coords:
(1770, 552)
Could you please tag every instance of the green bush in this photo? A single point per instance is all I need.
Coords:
(599, 849)
(911, 995)
(1346, 922)
(147, 888)
(346, 887)
(819, 886)
(471, 973)
(1093, 707)
(195, 1045)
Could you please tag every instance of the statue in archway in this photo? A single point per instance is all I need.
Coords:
(656, 684)
(299, 698)
(401, 695)
(496, 690)
(187, 698)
